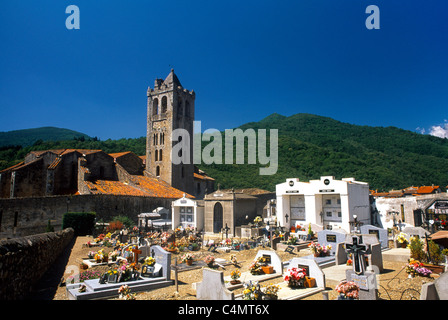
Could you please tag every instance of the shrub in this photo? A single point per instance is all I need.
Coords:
(127, 222)
(435, 253)
(416, 247)
(114, 225)
(81, 222)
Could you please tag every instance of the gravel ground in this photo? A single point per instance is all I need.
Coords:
(394, 282)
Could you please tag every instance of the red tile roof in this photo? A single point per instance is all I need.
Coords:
(137, 186)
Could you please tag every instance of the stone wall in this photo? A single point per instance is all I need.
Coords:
(26, 216)
(23, 261)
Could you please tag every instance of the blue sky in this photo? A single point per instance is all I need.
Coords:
(245, 60)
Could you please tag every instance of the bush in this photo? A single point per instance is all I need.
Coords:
(81, 222)
(126, 221)
(435, 253)
(114, 226)
(416, 247)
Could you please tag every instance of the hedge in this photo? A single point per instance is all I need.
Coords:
(82, 222)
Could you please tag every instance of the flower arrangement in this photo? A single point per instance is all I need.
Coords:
(252, 291)
(416, 268)
(347, 290)
(258, 220)
(401, 238)
(209, 260)
(187, 257)
(235, 274)
(85, 275)
(233, 259)
(292, 240)
(319, 250)
(91, 254)
(263, 260)
(295, 277)
(125, 293)
(114, 255)
(255, 268)
(271, 292)
(149, 261)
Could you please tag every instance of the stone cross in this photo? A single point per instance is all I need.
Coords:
(136, 253)
(226, 229)
(359, 250)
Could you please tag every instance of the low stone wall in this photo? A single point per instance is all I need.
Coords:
(23, 261)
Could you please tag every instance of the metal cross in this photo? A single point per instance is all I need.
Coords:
(359, 250)
(226, 229)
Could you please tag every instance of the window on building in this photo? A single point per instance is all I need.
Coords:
(328, 201)
(156, 155)
(180, 108)
(158, 171)
(339, 214)
(329, 214)
(155, 107)
(160, 155)
(339, 201)
(164, 104)
(186, 214)
(402, 213)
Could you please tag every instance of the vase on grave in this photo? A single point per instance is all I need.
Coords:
(235, 281)
(309, 282)
(189, 262)
(267, 269)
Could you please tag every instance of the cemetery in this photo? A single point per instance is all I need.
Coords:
(182, 264)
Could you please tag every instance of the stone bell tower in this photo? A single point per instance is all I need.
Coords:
(170, 107)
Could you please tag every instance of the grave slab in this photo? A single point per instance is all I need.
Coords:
(212, 286)
(379, 232)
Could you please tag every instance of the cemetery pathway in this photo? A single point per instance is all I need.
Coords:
(394, 283)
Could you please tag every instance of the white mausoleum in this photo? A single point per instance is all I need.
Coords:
(327, 202)
(188, 213)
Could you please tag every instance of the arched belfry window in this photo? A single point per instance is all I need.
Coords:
(156, 156)
(158, 171)
(155, 107)
(160, 155)
(164, 104)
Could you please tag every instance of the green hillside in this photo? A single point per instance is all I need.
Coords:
(309, 146)
(28, 137)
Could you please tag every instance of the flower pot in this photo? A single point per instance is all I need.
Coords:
(317, 255)
(189, 262)
(235, 281)
(268, 269)
(309, 282)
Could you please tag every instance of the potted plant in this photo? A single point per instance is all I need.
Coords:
(401, 239)
(187, 258)
(252, 291)
(416, 268)
(348, 290)
(209, 260)
(255, 268)
(235, 275)
(83, 266)
(295, 277)
(310, 233)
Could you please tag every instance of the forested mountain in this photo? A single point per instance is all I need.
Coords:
(309, 146)
(28, 137)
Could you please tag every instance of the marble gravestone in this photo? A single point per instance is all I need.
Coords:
(331, 237)
(212, 286)
(313, 269)
(379, 232)
(275, 260)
